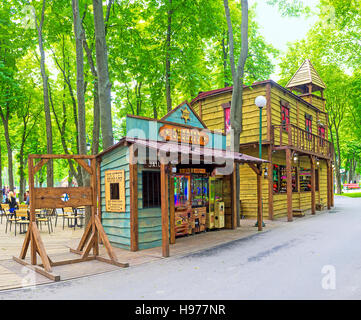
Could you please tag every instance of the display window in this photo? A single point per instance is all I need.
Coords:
(199, 190)
(280, 179)
(181, 190)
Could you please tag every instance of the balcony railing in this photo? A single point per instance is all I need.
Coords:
(301, 140)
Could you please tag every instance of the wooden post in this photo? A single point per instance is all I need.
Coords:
(234, 197)
(332, 183)
(329, 191)
(259, 198)
(32, 209)
(313, 185)
(133, 176)
(164, 206)
(270, 183)
(94, 204)
(289, 184)
(171, 208)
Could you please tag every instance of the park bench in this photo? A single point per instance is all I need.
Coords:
(351, 186)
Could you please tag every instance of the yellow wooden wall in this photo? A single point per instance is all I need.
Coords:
(213, 115)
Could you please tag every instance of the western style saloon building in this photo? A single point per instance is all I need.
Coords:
(295, 141)
(168, 178)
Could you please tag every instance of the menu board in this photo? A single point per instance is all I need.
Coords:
(115, 190)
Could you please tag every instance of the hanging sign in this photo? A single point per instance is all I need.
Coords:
(193, 170)
(185, 135)
(115, 190)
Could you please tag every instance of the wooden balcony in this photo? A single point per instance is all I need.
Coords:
(297, 139)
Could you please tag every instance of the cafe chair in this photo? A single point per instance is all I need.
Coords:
(4, 208)
(45, 218)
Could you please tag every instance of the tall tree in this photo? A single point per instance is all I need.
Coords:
(237, 78)
(39, 22)
(104, 85)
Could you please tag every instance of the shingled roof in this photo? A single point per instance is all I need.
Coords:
(305, 75)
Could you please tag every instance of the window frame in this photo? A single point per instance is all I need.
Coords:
(308, 126)
(151, 197)
(285, 106)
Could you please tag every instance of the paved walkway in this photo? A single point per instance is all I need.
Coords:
(57, 244)
(314, 257)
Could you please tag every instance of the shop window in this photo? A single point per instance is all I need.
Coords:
(308, 125)
(280, 179)
(285, 115)
(151, 189)
(305, 179)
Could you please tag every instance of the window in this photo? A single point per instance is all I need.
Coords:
(227, 116)
(114, 191)
(321, 133)
(305, 179)
(308, 125)
(285, 114)
(151, 189)
(316, 180)
(280, 179)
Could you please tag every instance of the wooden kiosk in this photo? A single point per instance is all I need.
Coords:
(53, 198)
(149, 157)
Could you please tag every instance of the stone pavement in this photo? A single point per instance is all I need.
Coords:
(57, 244)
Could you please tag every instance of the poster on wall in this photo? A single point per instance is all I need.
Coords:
(115, 190)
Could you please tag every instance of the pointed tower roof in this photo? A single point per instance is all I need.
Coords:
(305, 75)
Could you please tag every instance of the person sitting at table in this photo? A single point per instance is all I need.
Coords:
(27, 198)
(13, 205)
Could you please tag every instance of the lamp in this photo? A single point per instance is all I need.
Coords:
(265, 173)
(318, 162)
(295, 157)
(260, 102)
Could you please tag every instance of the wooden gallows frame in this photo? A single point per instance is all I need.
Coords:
(53, 198)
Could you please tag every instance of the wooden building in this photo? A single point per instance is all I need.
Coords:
(168, 178)
(295, 141)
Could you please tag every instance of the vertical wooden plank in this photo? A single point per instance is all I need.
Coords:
(133, 176)
(32, 209)
(313, 185)
(94, 186)
(328, 185)
(234, 197)
(332, 190)
(270, 183)
(289, 184)
(259, 198)
(171, 208)
(99, 190)
(164, 206)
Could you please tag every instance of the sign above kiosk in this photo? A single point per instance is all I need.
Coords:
(184, 135)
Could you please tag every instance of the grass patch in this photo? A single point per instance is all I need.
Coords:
(350, 195)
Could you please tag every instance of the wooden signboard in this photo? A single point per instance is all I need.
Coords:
(115, 190)
(179, 134)
(193, 170)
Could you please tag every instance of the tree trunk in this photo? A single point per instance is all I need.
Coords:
(338, 163)
(49, 134)
(5, 120)
(237, 76)
(167, 59)
(1, 176)
(104, 85)
(80, 94)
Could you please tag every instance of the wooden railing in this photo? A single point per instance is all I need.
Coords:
(301, 140)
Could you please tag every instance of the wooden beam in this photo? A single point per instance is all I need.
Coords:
(329, 191)
(49, 275)
(270, 183)
(105, 240)
(289, 184)
(164, 206)
(171, 208)
(93, 182)
(61, 156)
(39, 165)
(313, 185)
(133, 176)
(254, 168)
(259, 199)
(84, 165)
(234, 197)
